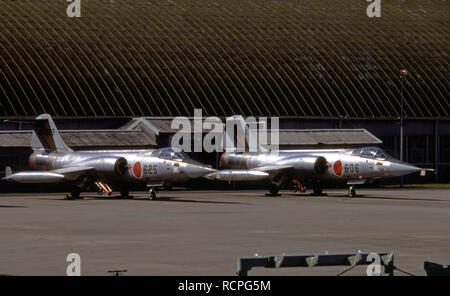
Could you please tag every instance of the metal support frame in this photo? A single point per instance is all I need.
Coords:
(245, 264)
(119, 272)
(436, 149)
(402, 107)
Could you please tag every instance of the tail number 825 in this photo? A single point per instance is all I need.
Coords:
(150, 170)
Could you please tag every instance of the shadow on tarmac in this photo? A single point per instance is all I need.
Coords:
(360, 196)
(399, 198)
(158, 199)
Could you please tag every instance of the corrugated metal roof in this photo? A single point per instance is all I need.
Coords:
(328, 137)
(85, 138)
(128, 138)
(287, 136)
(258, 58)
(158, 125)
(15, 139)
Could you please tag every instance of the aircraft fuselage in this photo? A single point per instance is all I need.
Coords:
(337, 165)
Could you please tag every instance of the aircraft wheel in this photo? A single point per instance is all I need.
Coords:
(351, 192)
(125, 194)
(273, 191)
(73, 195)
(317, 190)
(152, 194)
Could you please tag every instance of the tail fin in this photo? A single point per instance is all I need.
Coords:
(46, 136)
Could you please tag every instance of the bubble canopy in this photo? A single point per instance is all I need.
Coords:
(169, 153)
(371, 152)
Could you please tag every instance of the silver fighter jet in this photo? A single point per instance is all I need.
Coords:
(52, 161)
(299, 169)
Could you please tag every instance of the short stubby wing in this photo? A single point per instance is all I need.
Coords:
(73, 173)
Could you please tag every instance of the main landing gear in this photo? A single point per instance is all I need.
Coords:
(317, 189)
(273, 190)
(73, 195)
(125, 193)
(276, 185)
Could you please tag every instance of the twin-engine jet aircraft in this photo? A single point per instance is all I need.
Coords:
(310, 168)
(53, 161)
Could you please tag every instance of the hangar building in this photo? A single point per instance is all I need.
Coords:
(315, 64)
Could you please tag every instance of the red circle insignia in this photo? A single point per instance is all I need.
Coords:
(337, 168)
(137, 169)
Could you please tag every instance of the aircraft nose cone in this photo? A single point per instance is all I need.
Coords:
(403, 168)
(195, 171)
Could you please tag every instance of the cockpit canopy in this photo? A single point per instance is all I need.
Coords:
(169, 153)
(371, 152)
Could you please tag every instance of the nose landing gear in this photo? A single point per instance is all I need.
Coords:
(351, 191)
(153, 189)
(152, 194)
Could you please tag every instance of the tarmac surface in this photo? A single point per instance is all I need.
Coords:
(204, 232)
